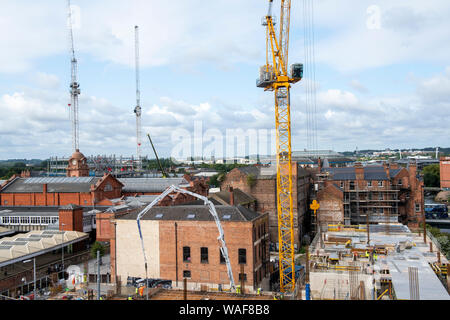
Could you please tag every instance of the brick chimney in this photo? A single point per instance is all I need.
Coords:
(386, 169)
(72, 218)
(44, 192)
(412, 175)
(393, 165)
(359, 171)
(230, 189)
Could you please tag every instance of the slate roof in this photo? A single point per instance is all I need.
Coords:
(260, 172)
(150, 184)
(348, 173)
(54, 184)
(375, 173)
(240, 197)
(199, 212)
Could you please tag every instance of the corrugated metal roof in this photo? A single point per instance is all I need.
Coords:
(48, 180)
(65, 185)
(150, 184)
(33, 243)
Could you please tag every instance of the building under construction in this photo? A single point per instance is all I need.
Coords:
(353, 263)
(99, 165)
(370, 194)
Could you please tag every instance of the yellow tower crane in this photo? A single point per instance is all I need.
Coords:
(274, 76)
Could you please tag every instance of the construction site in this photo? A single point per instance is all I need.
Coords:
(313, 226)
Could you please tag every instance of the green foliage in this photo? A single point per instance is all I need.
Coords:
(251, 180)
(217, 180)
(97, 246)
(431, 175)
(442, 238)
(152, 164)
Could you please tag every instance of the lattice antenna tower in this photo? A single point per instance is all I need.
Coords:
(138, 109)
(74, 85)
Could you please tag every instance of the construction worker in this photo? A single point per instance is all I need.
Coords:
(259, 291)
(238, 289)
(130, 298)
(137, 290)
(141, 291)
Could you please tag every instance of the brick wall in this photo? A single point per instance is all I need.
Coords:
(265, 193)
(445, 172)
(165, 255)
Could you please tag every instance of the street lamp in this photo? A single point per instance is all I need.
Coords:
(62, 247)
(34, 275)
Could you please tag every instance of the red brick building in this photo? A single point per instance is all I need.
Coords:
(52, 191)
(261, 183)
(445, 172)
(387, 193)
(181, 242)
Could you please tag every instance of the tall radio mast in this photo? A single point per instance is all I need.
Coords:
(74, 86)
(138, 109)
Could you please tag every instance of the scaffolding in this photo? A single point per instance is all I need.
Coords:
(98, 165)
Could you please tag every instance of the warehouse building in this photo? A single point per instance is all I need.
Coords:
(181, 242)
(260, 182)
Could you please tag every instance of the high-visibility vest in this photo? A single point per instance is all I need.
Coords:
(141, 291)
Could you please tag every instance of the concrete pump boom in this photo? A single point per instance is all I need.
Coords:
(212, 211)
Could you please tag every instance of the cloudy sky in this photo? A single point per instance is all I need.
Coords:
(382, 73)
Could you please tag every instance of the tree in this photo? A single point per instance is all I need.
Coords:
(97, 246)
(431, 175)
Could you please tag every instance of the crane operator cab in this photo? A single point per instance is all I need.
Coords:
(297, 71)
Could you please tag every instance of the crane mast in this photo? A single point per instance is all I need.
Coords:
(274, 77)
(74, 86)
(138, 110)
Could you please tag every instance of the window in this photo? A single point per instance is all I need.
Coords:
(35, 220)
(342, 184)
(5, 220)
(222, 258)
(400, 182)
(242, 256)
(186, 274)
(352, 185)
(24, 220)
(108, 187)
(55, 219)
(417, 207)
(204, 255)
(242, 276)
(380, 183)
(6, 202)
(380, 196)
(186, 254)
(369, 183)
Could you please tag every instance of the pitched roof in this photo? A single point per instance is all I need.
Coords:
(151, 184)
(260, 172)
(348, 173)
(240, 197)
(195, 213)
(54, 184)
